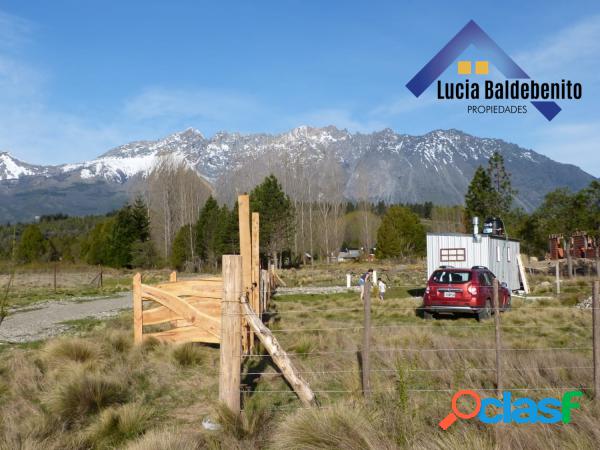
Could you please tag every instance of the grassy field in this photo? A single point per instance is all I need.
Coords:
(93, 389)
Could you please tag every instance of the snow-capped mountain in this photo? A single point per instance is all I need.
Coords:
(11, 168)
(383, 165)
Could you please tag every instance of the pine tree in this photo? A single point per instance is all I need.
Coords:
(211, 232)
(276, 215)
(139, 213)
(32, 245)
(400, 234)
(480, 198)
(501, 184)
(180, 251)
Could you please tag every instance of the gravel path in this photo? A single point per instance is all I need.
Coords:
(44, 320)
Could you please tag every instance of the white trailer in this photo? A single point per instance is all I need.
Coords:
(497, 253)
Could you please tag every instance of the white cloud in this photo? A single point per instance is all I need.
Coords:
(572, 51)
(207, 104)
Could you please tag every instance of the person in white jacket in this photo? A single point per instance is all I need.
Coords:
(381, 287)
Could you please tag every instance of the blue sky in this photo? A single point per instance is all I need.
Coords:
(79, 77)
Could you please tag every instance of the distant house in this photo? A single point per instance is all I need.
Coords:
(349, 255)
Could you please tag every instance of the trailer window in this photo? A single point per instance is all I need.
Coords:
(451, 277)
(452, 254)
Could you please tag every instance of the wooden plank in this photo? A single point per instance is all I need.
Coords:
(256, 306)
(160, 314)
(184, 334)
(179, 291)
(522, 273)
(246, 253)
(279, 357)
(183, 309)
(138, 318)
(231, 337)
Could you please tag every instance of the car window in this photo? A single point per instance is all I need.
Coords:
(484, 279)
(451, 277)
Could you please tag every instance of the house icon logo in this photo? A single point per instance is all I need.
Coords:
(518, 84)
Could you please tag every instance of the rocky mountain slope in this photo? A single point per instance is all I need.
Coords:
(383, 165)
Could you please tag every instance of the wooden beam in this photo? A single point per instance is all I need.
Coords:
(246, 253)
(138, 318)
(256, 306)
(231, 339)
(522, 273)
(184, 334)
(279, 356)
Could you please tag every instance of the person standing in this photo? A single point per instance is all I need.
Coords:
(362, 280)
(381, 286)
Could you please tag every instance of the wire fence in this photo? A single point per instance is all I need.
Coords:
(578, 369)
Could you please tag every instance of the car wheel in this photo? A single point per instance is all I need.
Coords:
(427, 315)
(486, 312)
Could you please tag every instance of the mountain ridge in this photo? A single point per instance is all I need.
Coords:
(383, 165)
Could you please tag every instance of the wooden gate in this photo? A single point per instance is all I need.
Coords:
(192, 307)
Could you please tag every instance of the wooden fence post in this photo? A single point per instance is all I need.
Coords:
(173, 276)
(279, 357)
(101, 281)
(596, 338)
(365, 357)
(256, 304)
(137, 308)
(55, 270)
(231, 337)
(557, 277)
(498, 337)
(246, 253)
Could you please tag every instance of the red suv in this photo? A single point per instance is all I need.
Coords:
(451, 290)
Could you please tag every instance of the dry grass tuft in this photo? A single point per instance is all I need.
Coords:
(165, 439)
(118, 424)
(343, 426)
(188, 355)
(62, 350)
(82, 394)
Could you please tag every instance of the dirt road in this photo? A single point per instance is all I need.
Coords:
(44, 320)
(47, 319)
